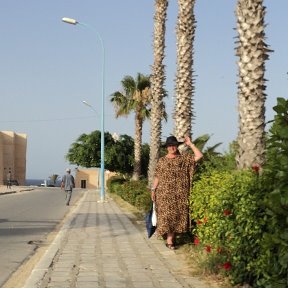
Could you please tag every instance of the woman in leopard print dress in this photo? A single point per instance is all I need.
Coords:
(171, 188)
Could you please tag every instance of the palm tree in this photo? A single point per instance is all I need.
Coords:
(134, 97)
(54, 178)
(252, 52)
(157, 85)
(184, 77)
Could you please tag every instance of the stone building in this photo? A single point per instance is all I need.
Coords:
(13, 147)
(90, 178)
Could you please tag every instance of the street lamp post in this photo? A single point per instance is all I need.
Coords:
(75, 22)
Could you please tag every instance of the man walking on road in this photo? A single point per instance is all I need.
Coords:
(68, 184)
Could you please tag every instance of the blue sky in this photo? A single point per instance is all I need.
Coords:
(48, 68)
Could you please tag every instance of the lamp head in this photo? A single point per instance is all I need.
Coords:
(69, 21)
(86, 103)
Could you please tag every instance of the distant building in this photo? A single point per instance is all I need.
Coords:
(13, 147)
(90, 178)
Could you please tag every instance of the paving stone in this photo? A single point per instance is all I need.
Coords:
(103, 248)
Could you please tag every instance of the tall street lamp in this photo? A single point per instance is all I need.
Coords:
(75, 22)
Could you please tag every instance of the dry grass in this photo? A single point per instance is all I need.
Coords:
(194, 262)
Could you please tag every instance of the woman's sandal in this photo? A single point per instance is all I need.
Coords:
(170, 246)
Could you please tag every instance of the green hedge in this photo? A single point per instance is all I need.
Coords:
(229, 220)
(134, 192)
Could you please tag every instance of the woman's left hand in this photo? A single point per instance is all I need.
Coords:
(197, 153)
(187, 141)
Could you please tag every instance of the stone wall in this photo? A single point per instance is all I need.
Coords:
(13, 147)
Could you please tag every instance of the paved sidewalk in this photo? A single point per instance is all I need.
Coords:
(14, 189)
(99, 246)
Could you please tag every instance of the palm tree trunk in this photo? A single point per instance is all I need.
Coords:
(184, 78)
(157, 85)
(252, 52)
(137, 145)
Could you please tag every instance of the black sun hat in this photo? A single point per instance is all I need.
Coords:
(172, 141)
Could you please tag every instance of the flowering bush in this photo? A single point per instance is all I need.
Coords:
(228, 217)
(246, 214)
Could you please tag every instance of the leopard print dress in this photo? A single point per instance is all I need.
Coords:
(172, 193)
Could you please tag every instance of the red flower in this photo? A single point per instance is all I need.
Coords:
(256, 167)
(199, 222)
(205, 219)
(196, 241)
(208, 248)
(227, 212)
(227, 266)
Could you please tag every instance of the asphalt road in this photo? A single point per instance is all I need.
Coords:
(26, 218)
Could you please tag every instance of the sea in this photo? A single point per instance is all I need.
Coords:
(41, 182)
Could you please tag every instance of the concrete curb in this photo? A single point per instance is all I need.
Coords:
(8, 192)
(15, 191)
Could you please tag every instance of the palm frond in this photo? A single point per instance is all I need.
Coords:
(201, 141)
(212, 149)
(129, 86)
(121, 103)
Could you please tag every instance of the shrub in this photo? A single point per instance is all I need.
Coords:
(134, 192)
(272, 265)
(226, 208)
(114, 182)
